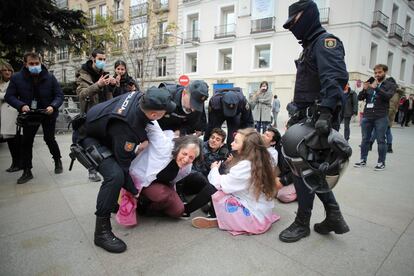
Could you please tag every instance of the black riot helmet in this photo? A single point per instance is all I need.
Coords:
(319, 160)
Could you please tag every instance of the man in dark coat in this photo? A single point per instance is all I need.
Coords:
(35, 88)
(349, 109)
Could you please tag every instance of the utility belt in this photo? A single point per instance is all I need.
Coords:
(309, 114)
(91, 157)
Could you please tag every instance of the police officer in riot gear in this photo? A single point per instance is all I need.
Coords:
(114, 133)
(321, 77)
(228, 105)
(189, 116)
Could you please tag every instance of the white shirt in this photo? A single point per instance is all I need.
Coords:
(274, 155)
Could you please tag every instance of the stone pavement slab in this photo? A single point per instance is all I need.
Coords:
(47, 224)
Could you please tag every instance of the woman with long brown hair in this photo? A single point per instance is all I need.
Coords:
(243, 198)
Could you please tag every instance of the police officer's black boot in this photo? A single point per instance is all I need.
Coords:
(105, 238)
(58, 166)
(298, 229)
(26, 176)
(334, 221)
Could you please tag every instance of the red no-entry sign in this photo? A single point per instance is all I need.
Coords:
(184, 80)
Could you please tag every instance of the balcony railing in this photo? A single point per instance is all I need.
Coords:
(138, 10)
(160, 6)
(189, 1)
(137, 43)
(396, 31)
(190, 36)
(324, 15)
(408, 40)
(227, 30)
(118, 15)
(161, 40)
(380, 20)
(263, 25)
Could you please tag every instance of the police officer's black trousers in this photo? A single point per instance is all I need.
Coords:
(305, 198)
(217, 120)
(29, 132)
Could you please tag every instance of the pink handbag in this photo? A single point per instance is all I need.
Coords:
(287, 194)
(126, 214)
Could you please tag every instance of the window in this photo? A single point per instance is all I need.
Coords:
(192, 28)
(191, 63)
(161, 67)
(412, 76)
(408, 24)
(140, 69)
(137, 32)
(373, 56)
(389, 62)
(162, 28)
(63, 53)
(118, 41)
(402, 69)
(225, 59)
(102, 11)
(262, 56)
(92, 16)
(228, 20)
(64, 75)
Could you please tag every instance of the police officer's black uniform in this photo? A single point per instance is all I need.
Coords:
(321, 76)
(111, 135)
(186, 121)
(228, 105)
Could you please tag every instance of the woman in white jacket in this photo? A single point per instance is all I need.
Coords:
(8, 118)
(243, 198)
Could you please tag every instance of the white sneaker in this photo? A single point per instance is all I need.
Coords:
(379, 167)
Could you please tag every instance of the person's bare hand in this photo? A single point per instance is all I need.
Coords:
(103, 81)
(198, 133)
(49, 110)
(215, 164)
(111, 80)
(118, 80)
(374, 84)
(25, 108)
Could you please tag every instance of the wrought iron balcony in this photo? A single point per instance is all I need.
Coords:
(191, 36)
(138, 10)
(135, 44)
(380, 21)
(189, 1)
(118, 15)
(324, 15)
(228, 30)
(263, 25)
(161, 40)
(408, 40)
(396, 31)
(161, 6)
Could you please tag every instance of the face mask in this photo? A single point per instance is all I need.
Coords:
(35, 69)
(100, 64)
(307, 24)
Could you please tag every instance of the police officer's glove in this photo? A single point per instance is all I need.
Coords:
(323, 124)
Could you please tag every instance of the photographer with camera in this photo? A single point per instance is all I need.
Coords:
(377, 93)
(93, 87)
(34, 88)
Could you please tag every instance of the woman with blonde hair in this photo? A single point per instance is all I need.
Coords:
(8, 117)
(243, 198)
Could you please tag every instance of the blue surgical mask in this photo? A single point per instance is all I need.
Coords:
(35, 69)
(100, 64)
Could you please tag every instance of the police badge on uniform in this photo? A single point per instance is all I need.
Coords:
(330, 43)
(129, 146)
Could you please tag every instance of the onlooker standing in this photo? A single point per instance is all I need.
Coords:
(123, 82)
(377, 95)
(261, 104)
(93, 87)
(8, 118)
(35, 88)
(408, 110)
(275, 109)
(350, 109)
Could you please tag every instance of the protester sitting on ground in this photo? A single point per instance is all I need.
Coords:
(284, 183)
(243, 198)
(8, 118)
(122, 79)
(159, 167)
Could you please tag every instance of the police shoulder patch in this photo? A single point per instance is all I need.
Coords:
(330, 43)
(129, 146)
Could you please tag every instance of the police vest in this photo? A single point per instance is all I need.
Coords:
(308, 85)
(122, 108)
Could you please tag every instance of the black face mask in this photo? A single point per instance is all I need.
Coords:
(307, 24)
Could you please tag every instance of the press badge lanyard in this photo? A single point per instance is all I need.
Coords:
(373, 98)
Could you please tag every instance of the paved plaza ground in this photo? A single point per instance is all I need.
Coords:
(46, 227)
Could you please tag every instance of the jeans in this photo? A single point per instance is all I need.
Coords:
(347, 131)
(367, 126)
(261, 126)
(388, 136)
(275, 118)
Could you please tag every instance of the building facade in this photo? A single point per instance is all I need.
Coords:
(242, 42)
